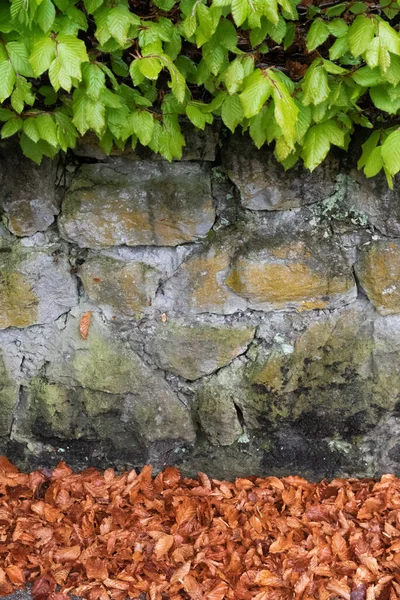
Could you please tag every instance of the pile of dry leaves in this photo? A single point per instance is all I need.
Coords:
(115, 536)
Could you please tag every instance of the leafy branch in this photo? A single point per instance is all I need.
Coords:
(298, 76)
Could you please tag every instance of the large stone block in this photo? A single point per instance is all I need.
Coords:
(378, 270)
(121, 288)
(379, 203)
(198, 286)
(137, 203)
(301, 274)
(105, 364)
(265, 185)
(331, 379)
(36, 286)
(28, 193)
(197, 349)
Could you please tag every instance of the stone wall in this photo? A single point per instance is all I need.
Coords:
(244, 320)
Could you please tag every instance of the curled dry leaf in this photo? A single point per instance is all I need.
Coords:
(84, 324)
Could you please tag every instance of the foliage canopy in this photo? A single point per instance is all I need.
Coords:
(301, 76)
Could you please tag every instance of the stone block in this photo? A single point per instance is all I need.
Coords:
(265, 185)
(197, 349)
(292, 274)
(35, 287)
(28, 193)
(378, 271)
(137, 203)
(121, 288)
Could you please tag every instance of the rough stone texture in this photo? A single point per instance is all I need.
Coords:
(265, 185)
(137, 203)
(222, 339)
(195, 350)
(126, 289)
(199, 285)
(378, 202)
(292, 274)
(35, 286)
(378, 270)
(29, 196)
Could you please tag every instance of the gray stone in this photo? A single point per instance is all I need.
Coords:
(28, 194)
(196, 349)
(35, 287)
(378, 202)
(137, 203)
(265, 185)
(120, 288)
(104, 363)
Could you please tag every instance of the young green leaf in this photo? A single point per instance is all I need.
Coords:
(257, 90)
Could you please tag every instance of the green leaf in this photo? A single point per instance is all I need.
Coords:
(358, 8)
(143, 126)
(45, 15)
(317, 34)
(257, 90)
(286, 111)
(198, 118)
(389, 38)
(94, 79)
(391, 152)
(19, 57)
(30, 149)
(337, 10)
(315, 84)
(240, 11)
(234, 76)
(11, 127)
(393, 71)
(258, 127)
(337, 27)
(150, 67)
(232, 112)
(367, 148)
(360, 34)
(30, 129)
(7, 80)
(42, 55)
(339, 48)
(380, 97)
(374, 162)
(119, 20)
(368, 77)
(46, 128)
(316, 146)
(71, 52)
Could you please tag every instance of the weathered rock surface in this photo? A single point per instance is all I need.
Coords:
(378, 202)
(137, 203)
(35, 287)
(199, 285)
(265, 185)
(125, 289)
(103, 363)
(227, 331)
(195, 350)
(28, 191)
(9, 394)
(301, 274)
(378, 270)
